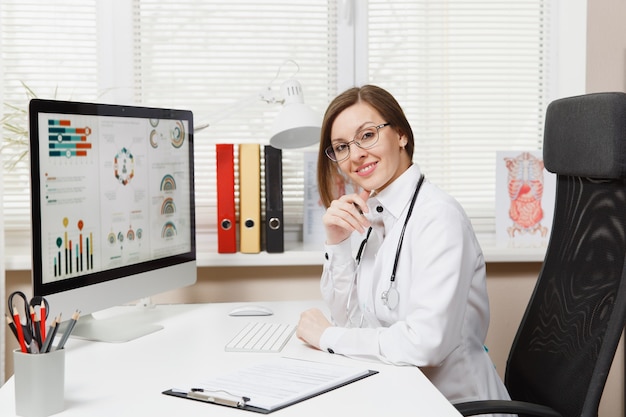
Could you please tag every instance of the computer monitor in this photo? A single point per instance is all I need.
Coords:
(113, 214)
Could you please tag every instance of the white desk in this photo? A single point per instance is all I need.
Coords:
(127, 379)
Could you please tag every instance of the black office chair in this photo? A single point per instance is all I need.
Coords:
(564, 347)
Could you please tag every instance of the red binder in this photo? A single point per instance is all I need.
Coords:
(226, 230)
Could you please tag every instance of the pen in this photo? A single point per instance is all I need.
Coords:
(70, 327)
(20, 331)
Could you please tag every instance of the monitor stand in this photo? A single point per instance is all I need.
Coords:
(116, 325)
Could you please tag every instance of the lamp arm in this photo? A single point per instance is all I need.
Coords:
(238, 105)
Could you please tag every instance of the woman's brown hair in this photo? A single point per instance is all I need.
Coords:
(328, 172)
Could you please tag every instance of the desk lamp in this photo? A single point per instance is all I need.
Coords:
(296, 125)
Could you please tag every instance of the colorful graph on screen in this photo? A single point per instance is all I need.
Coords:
(124, 165)
(177, 134)
(65, 140)
(168, 183)
(168, 230)
(74, 253)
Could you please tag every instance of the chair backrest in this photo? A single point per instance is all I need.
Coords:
(568, 336)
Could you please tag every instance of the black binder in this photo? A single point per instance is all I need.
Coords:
(274, 227)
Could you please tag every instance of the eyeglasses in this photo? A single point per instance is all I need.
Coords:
(364, 139)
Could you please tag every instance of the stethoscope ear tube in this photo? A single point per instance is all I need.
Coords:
(391, 297)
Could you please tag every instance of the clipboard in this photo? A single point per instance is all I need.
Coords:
(342, 376)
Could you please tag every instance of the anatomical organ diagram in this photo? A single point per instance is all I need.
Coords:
(525, 186)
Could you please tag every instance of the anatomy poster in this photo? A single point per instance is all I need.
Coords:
(524, 200)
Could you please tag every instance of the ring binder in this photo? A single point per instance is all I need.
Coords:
(274, 231)
(249, 198)
(225, 165)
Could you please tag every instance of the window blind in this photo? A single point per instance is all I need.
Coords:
(49, 49)
(472, 78)
(216, 58)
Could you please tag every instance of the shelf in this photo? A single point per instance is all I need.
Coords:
(295, 255)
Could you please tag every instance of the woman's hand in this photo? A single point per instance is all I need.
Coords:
(344, 216)
(311, 326)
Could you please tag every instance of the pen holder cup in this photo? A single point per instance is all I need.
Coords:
(39, 383)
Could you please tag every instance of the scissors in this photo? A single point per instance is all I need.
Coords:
(26, 305)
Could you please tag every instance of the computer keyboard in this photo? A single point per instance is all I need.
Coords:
(261, 337)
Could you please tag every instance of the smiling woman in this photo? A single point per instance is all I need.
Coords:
(433, 311)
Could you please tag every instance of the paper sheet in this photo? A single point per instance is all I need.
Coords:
(282, 381)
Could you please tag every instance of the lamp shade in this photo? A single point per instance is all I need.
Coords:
(296, 125)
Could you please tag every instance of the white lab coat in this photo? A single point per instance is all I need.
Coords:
(441, 320)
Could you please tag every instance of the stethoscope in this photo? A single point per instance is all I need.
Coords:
(391, 296)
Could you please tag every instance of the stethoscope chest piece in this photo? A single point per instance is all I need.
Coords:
(390, 298)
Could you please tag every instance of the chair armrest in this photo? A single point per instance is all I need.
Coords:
(472, 408)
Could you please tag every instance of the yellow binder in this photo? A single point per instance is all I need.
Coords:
(249, 198)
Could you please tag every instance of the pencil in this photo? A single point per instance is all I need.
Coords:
(37, 330)
(29, 331)
(32, 314)
(11, 325)
(52, 331)
(20, 331)
(70, 327)
(42, 317)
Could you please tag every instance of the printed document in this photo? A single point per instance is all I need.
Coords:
(283, 381)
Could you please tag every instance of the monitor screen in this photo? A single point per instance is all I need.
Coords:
(113, 215)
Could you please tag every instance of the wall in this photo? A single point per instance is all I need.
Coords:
(606, 46)
(606, 71)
